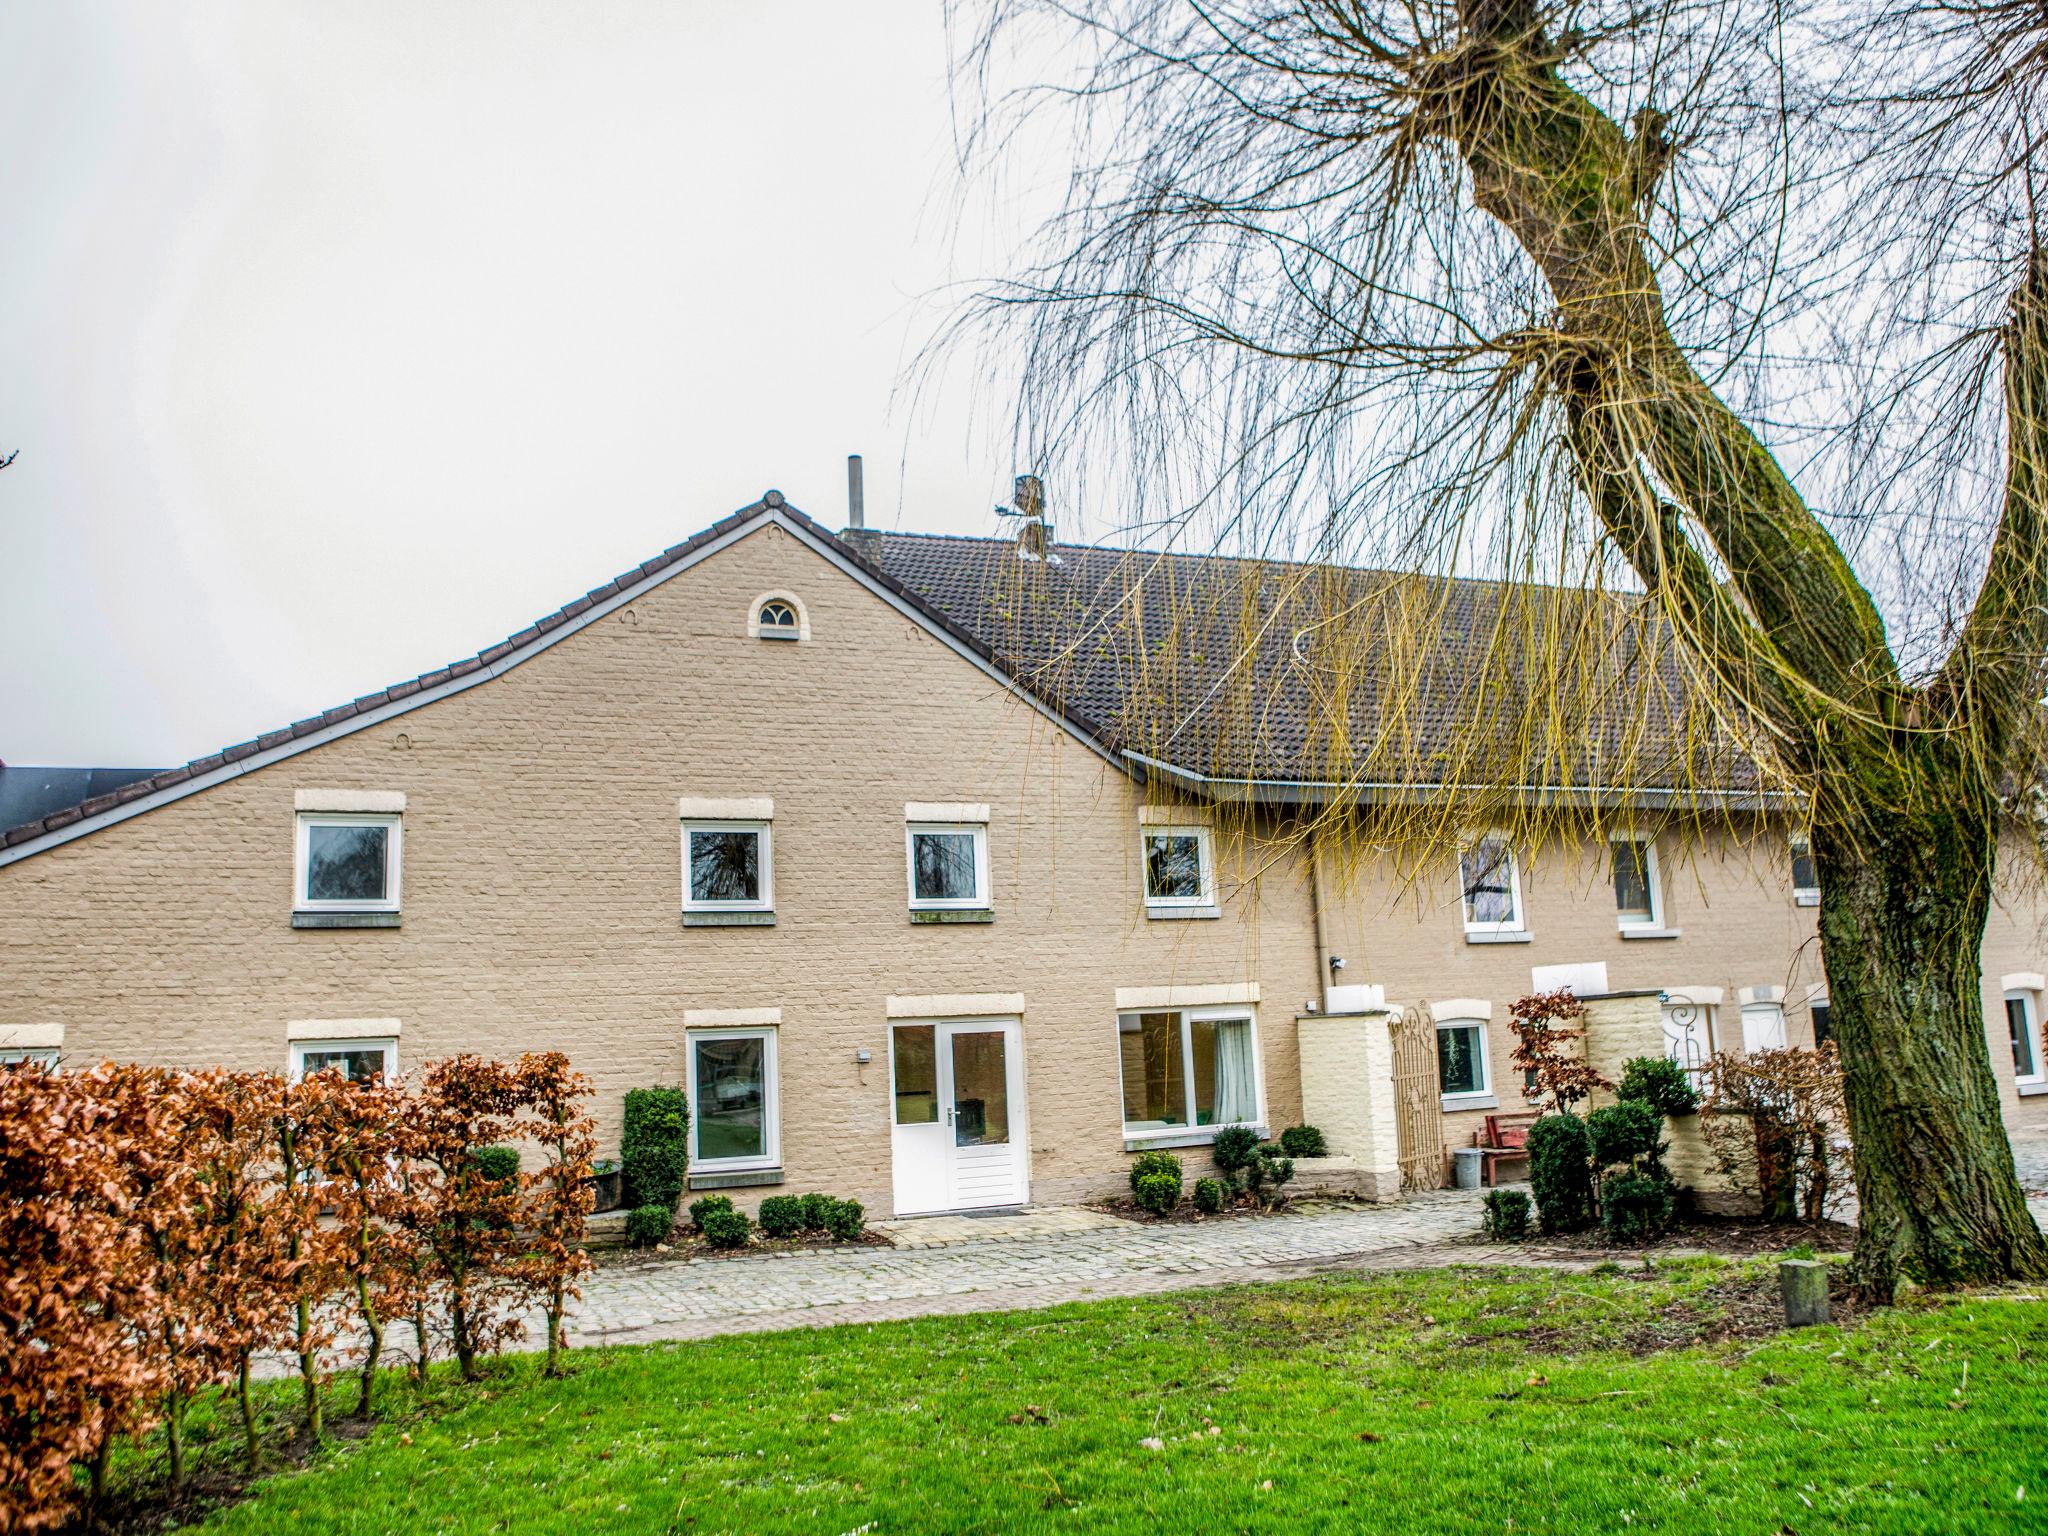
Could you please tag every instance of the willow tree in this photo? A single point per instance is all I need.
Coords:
(1556, 294)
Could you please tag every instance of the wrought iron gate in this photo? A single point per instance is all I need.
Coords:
(1418, 1099)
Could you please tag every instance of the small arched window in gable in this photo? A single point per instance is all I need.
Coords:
(777, 616)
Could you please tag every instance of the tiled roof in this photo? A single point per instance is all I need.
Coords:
(1189, 660)
(1234, 669)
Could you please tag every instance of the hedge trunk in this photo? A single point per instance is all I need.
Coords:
(1905, 897)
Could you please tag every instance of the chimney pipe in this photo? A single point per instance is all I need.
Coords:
(856, 494)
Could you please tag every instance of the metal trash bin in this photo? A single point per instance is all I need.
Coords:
(1466, 1171)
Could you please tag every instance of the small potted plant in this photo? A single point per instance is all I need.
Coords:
(604, 1182)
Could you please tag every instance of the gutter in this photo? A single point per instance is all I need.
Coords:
(1389, 792)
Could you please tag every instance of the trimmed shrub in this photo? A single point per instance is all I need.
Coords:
(1303, 1141)
(1507, 1215)
(817, 1212)
(1156, 1192)
(1634, 1207)
(500, 1165)
(710, 1205)
(726, 1228)
(1658, 1082)
(782, 1216)
(1209, 1195)
(845, 1220)
(1561, 1172)
(1235, 1147)
(647, 1225)
(654, 1146)
(1266, 1168)
(1625, 1132)
(1150, 1168)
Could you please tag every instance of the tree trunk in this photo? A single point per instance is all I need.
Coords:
(458, 1327)
(419, 1329)
(1904, 899)
(252, 1447)
(309, 1369)
(374, 1326)
(557, 1305)
(174, 1437)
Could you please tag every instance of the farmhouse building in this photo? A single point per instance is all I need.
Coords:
(940, 872)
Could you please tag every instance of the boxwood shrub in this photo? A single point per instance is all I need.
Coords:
(1561, 1172)
(647, 1225)
(654, 1146)
(1156, 1181)
(1635, 1207)
(1624, 1132)
(844, 1219)
(1235, 1147)
(1507, 1215)
(782, 1216)
(726, 1228)
(498, 1164)
(1303, 1141)
(1209, 1195)
(1659, 1082)
(817, 1212)
(710, 1205)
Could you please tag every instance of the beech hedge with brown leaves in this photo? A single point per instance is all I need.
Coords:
(162, 1229)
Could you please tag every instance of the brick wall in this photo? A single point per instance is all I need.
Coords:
(542, 880)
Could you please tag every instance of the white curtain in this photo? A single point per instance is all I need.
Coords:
(1237, 1093)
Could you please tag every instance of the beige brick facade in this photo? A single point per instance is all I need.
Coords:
(542, 886)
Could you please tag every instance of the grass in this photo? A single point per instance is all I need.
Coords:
(1432, 1402)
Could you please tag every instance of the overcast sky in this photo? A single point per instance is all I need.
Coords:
(339, 341)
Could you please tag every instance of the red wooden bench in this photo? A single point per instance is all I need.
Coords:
(1504, 1138)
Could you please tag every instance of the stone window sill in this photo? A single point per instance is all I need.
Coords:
(728, 919)
(1806, 898)
(345, 919)
(2031, 1090)
(1644, 931)
(1181, 914)
(954, 915)
(741, 1178)
(1517, 936)
(1201, 1136)
(1453, 1102)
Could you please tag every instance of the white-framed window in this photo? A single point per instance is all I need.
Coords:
(1805, 876)
(778, 616)
(1188, 1069)
(735, 1113)
(1180, 867)
(347, 861)
(1638, 890)
(2023, 1026)
(360, 1061)
(947, 865)
(728, 866)
(1462, 1073)
(1490, 885)
(29, 1056)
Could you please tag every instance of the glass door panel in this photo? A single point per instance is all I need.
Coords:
(981, 1089)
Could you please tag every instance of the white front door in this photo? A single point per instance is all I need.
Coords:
(957, 1107)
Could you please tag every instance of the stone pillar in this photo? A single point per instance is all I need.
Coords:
(1347, 1092)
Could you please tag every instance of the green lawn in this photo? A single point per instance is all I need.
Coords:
(1432, 1402)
